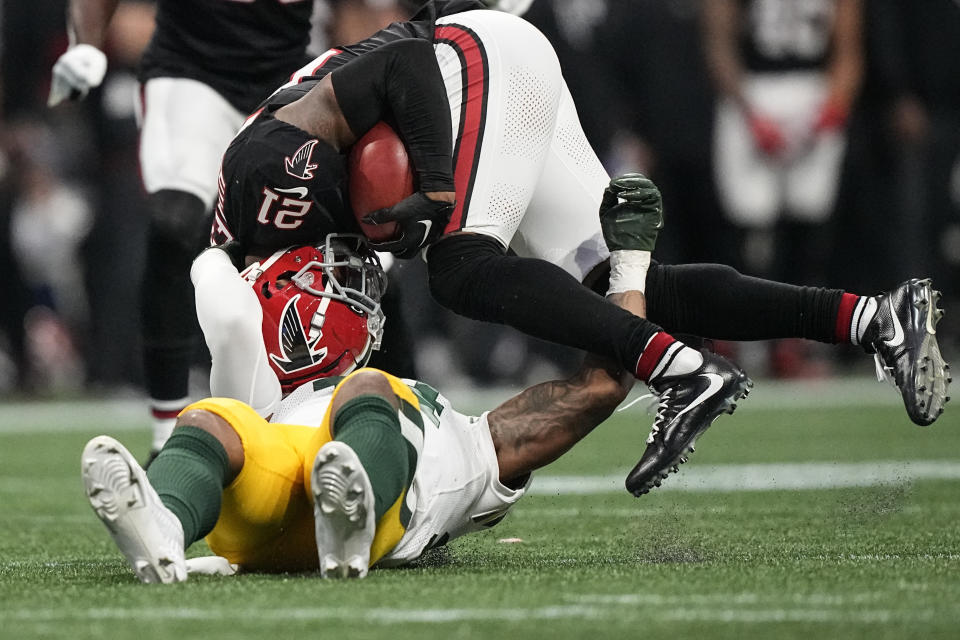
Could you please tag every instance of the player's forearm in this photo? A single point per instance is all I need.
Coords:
(402, 80)
(230, 318)
(846, 67)
(88, 21)
(720, 18)
(543, 422)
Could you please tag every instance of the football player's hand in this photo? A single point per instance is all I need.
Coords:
(831, 117)
(78, 70)
(419, 219)
(631, 213)
(767, 134)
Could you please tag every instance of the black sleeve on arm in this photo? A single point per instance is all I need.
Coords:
(402, 79)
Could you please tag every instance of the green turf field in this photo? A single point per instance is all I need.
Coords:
(873, 551)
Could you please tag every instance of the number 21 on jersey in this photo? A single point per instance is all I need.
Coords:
(281, 211)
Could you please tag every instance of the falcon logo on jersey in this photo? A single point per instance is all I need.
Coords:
(298, 165)
(299, 351)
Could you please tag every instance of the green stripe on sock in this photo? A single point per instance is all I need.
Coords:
(188, 475)
(370, 426)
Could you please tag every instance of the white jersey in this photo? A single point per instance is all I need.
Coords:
(456, 488)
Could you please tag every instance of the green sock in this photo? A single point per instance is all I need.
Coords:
(188, 475)
(370, 426)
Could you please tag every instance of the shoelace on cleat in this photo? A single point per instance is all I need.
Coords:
(883, 371)
(664, 411)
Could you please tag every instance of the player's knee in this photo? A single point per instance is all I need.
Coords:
(177, 219)
(207, 421)
(366, 382)
(220, 429)
(455, 265)
(721, 274)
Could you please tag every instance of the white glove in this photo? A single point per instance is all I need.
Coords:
(78, 70)
(211, 566)
(516, 7)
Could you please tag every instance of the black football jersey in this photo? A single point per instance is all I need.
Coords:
(786, 35)
(266, 202)
(243, 49)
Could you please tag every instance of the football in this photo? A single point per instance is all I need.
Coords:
(380, 176)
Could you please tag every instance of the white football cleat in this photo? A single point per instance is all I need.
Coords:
(147, 533)
(343, 511)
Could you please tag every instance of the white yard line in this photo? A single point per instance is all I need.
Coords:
(725, 477)
(764, 477)
(680, 611)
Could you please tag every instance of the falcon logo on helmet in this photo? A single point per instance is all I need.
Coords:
(297, 350)
(321, 308)
(299, 165)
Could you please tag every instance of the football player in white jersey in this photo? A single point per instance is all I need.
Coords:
(349, 472)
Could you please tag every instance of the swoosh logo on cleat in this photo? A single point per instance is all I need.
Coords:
(716, 382)
(931, 309)
(897, 338)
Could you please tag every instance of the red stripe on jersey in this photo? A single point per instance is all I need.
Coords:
(311, 68)
(250, 118)
(473, 113)
(848, 302)
(220, 230)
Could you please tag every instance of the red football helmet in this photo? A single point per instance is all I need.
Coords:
(321, 308)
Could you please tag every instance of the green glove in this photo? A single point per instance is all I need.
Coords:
(631, 213)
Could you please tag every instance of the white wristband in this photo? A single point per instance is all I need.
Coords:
(628, 271)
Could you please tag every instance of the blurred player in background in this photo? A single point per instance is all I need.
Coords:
(788, 73)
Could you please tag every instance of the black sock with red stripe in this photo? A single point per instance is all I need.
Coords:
(716, 301)
(664, 355)
(853, 317)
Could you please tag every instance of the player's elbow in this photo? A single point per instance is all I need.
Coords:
(225, 326)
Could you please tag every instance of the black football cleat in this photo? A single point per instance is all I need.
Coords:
(688, 406)
(903, 338)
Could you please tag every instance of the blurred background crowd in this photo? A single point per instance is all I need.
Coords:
(860, 191)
